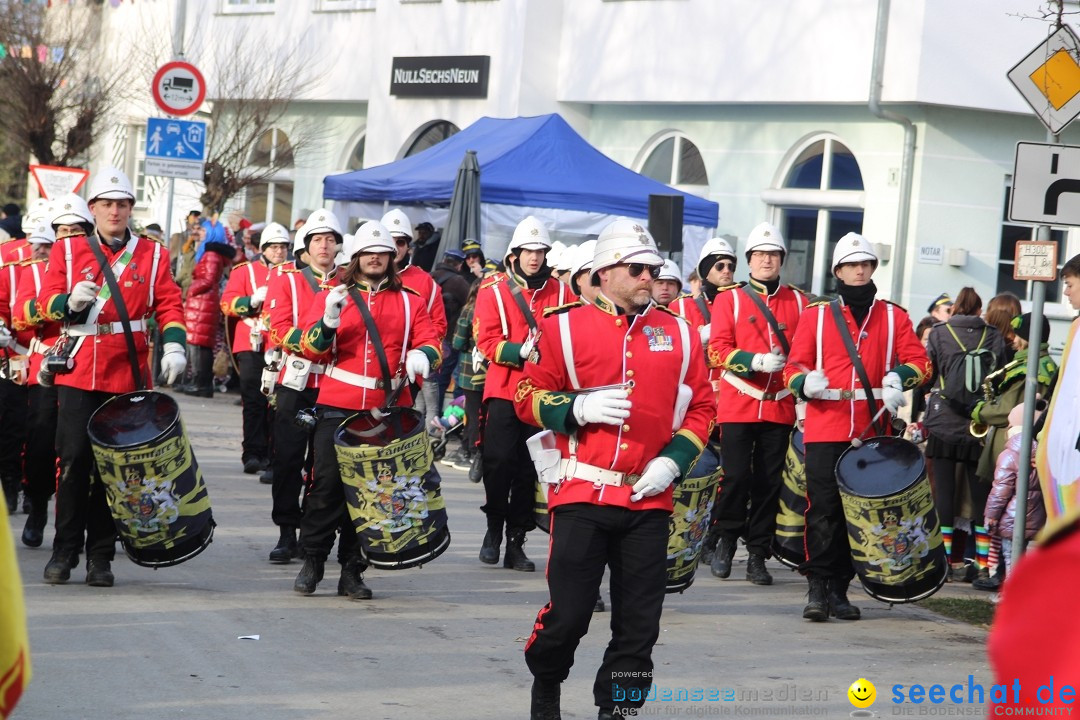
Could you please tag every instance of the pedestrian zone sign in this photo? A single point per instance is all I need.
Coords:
(175, 148)
(1049, 79)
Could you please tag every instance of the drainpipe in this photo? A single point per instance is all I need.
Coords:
(899, 251)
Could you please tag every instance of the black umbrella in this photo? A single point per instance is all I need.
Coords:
(464, 220)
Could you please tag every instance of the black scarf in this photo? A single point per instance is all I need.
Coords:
(858, 297)
(709, 290)
(535, 281)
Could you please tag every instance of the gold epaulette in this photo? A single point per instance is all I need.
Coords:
(493, 281)
(241, 264)
(819, 303)
(669, 311)
(732, 286)
(406, 288)
(561, 308)
(896, 305)
(31, 261)
(798, 289)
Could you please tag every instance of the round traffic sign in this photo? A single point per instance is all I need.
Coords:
(178, 88)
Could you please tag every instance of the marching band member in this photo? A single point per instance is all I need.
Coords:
(667, 291)
(338, 333)
(243, 298)
(613, 467)
(505, 326)
(752, 327)
(75, 292)
(876, 341)
(292, 288)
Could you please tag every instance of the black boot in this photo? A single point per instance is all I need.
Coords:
(839, 606)
(202, 381)
(708, 550)
(310, 576)
(266, 477)
(725, 552)
(489, 551)
(817, 607)
(58, 569)
(545, 700)
(756, 572)
(515, 555)
(99, 573)
(34, 531)
(287, 547)
(352, 580)
(599, 606)
(11, 494)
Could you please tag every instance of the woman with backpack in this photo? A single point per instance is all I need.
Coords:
(963, 350)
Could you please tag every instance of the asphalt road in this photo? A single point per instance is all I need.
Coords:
(444, 641)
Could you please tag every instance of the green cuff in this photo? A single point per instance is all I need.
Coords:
(509, 353)
(57, 309)
(795, 385)
(909, 376)
(683, 451)
(292, 339)
(434, 356)
(740, 363)
(174, 335)
(555, 411)
(318, 337)
(242, 306)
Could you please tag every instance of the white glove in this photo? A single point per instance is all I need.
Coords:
(6, 338)
(335, 301)
(258, 296)
(417, 365)
(658, 476)
(82, 295)
(173, 362)
(768, 362)
(892, 393)
(610, 407)
(705, 332)
(527, 347)
(815, 384)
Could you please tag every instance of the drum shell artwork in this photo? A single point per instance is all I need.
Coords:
(788, 542)
(153, 483)
(892, 525)
(392, 489)
(693, 500)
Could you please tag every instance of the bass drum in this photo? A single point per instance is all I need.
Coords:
(152, 481)
(392, 488)
(693, 500)
(892, 525)
(790, 516)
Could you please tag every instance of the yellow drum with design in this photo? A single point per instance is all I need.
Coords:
(788, 544)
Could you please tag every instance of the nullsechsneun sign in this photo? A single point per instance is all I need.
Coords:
(463, 76)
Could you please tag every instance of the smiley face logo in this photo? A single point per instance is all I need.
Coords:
(862, 693)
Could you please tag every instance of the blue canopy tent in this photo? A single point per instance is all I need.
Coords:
(529, 165)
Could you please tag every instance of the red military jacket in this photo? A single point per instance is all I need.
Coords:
(740, 331)
(42, 333)
(245, 279)
(886, 342)
(686, 307)
(15, 251)
(425, 286)
(287, 301)
(10, 275)
(585, 346)
(146, 283)
(500, 328)
(353, 378)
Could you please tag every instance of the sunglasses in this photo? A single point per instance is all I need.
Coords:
(725, 265)
(401, 242)
(635, 270)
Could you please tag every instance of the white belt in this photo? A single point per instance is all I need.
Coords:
(104, 328)
(358, 380)
(755, 392)
(37, 346)
(838, 394)
(22, 350)
(313, 370)
(572, 469)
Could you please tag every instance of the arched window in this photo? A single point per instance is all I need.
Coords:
(272, 200)
(356, 157)
(818, 199)
(673, 159)
(429, 135)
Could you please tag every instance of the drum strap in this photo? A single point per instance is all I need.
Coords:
(311, 281)
(121, 311)
(515, 292)
(853, 355)
(769, 317)
(373, 335)
(703, 306)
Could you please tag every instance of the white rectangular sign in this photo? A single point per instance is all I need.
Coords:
(1046, 184)
(174, 168)
(931, 254)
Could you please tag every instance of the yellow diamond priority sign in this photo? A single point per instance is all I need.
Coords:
(1049, 79)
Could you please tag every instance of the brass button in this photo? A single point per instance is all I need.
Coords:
(624, 446)
(629, 354)
(618, 322)
(626, 428)
(628, 338)
(629, 373)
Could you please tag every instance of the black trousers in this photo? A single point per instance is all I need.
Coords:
(509, 475)
(471, 433)
(256, 443)
(81, 506)
(13, 408)
(828, 553)
(326, 513)
(945, 472)
(39, 465)
(754, 455)
(584, 539)
(202, 377)
(292, 454)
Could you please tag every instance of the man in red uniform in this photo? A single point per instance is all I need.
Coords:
(75, 293)
(338, 335)
(39, 464)
(415, 278)
(13, 391)
(752, 327)
(17, 250)
(615, 452)
(507, 310)
(292, 289)
(821, 371)
(243, 298)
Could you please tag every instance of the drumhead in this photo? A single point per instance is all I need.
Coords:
(365, 429)
(883, 466)
(133, 419)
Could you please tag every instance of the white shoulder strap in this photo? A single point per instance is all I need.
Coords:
(735, 303)
(820, 328)
(153, 274)
(37, 278)
(295, 306)
(568, 349)
(408, 325)
(892, 334)
(684, 335)
(67, 261)
(251, 276)
(502, 311)
(562, 293)
(11, 279)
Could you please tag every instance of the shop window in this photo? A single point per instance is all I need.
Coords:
(271, 200)
(429, 135)
(674, 160)
(356, 157)
(247, 6)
